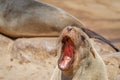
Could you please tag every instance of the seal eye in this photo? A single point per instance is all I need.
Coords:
(82, 38)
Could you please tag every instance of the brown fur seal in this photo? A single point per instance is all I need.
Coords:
(28, 18)
(24, 18)
(78, 59)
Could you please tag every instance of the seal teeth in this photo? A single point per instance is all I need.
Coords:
(65, 62)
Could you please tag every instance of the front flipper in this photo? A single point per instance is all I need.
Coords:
(92, 34)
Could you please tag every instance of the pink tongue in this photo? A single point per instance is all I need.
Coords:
(68, 50)
(67, 55)
(65, 62)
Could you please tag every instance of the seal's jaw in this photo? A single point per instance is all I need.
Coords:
(67, 54)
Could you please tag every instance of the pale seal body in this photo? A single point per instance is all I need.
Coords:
(26, 18)
(78, 58)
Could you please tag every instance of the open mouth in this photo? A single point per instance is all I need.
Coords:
(67, 54)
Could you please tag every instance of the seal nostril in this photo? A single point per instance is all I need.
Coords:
(69, 29)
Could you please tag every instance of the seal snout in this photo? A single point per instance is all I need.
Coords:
(69, 29)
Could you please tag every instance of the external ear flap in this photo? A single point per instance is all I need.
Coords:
(91, 50)
(92, 34)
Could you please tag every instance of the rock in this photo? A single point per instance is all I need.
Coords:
(117, 78)
(112, 62)
(35, 48)
(5, 44)
(27, 58)
(35, 58)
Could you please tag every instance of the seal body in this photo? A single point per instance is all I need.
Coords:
(78, 58)
(28, 18)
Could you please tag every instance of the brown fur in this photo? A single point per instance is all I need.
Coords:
(28, 18)
(87, 64)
